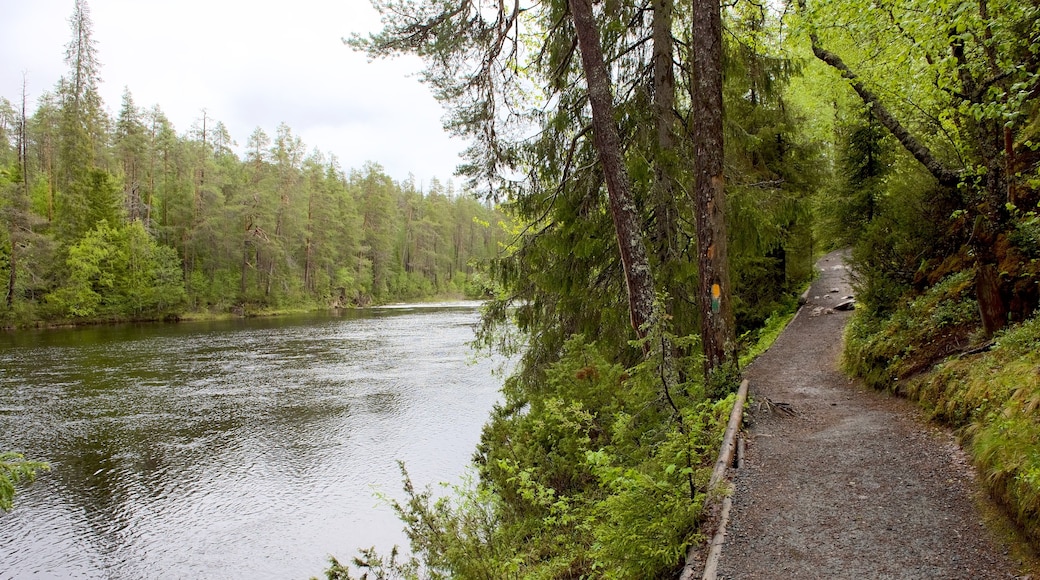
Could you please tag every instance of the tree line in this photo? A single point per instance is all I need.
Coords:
(122, 217)
(906, 129)
(668, 169)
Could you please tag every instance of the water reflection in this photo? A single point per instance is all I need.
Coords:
(230, 449)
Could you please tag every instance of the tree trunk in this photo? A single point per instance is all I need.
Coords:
(245, 267)
(308, 265)
(665, 231)
(17, 212)
(992, 309)
(13, 277)
(638, 278)
(716, 308)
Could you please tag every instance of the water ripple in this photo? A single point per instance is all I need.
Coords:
(242, 449)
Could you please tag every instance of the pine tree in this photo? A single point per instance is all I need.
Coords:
(82, 134)
(130, 144)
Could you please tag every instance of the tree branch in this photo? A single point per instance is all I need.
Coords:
(920, 151)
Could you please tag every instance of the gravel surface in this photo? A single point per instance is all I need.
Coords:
(840, 481)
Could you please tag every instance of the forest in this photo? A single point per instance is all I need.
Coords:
(124, 218)
(669, 171)
(690, 160)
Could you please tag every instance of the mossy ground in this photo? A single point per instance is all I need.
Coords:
(988, 390)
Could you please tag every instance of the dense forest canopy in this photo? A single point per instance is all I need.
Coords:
(123, 217)
(907, 130)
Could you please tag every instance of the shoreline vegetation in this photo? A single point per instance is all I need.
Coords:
(621, 219)
(238, 313)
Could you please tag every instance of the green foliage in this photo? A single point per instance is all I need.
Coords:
(919, 333)
(601, 473)
(1006, 449)
(120, 272)
(971, 126)
(773, 168)
(376, 567)
(866, 155)
(15, 470)
(909, 232)
(885, 207)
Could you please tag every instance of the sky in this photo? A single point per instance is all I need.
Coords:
(249, 64)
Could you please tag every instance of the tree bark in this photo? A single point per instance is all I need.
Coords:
(716, 307)
(992, 309)
(638, 277)
(665, 231)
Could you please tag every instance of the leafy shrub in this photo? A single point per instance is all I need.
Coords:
(602, 472)
(15, 469)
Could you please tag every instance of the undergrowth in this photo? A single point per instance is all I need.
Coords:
(942, 322)
(931, 351)
(598, 471)
(601, 474)
(763, 338)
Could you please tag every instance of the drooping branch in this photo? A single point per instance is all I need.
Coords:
(920, 151)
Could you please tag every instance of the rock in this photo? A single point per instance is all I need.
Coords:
(848, 304)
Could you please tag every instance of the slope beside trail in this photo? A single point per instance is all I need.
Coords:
(840, 481)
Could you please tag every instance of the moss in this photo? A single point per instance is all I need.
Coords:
(991, 397)
(921, 332)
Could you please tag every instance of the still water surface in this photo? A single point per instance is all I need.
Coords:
(240, 449)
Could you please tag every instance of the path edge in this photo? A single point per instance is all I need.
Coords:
(722, 464)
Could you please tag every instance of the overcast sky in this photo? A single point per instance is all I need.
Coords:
(249, 64)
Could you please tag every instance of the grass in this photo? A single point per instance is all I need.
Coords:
(928, 351)
(767, 335)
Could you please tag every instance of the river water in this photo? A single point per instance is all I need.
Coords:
(238, 449)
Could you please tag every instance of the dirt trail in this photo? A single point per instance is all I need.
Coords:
(851, 483)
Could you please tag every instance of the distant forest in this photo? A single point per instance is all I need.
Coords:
(125, 218)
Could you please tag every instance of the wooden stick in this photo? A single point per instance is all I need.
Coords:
(718, 473)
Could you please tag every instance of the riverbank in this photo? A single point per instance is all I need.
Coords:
(237, 313)
(841, 481)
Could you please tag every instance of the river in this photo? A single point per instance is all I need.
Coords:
(234, 449)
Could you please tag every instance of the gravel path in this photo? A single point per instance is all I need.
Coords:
(841, 481)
